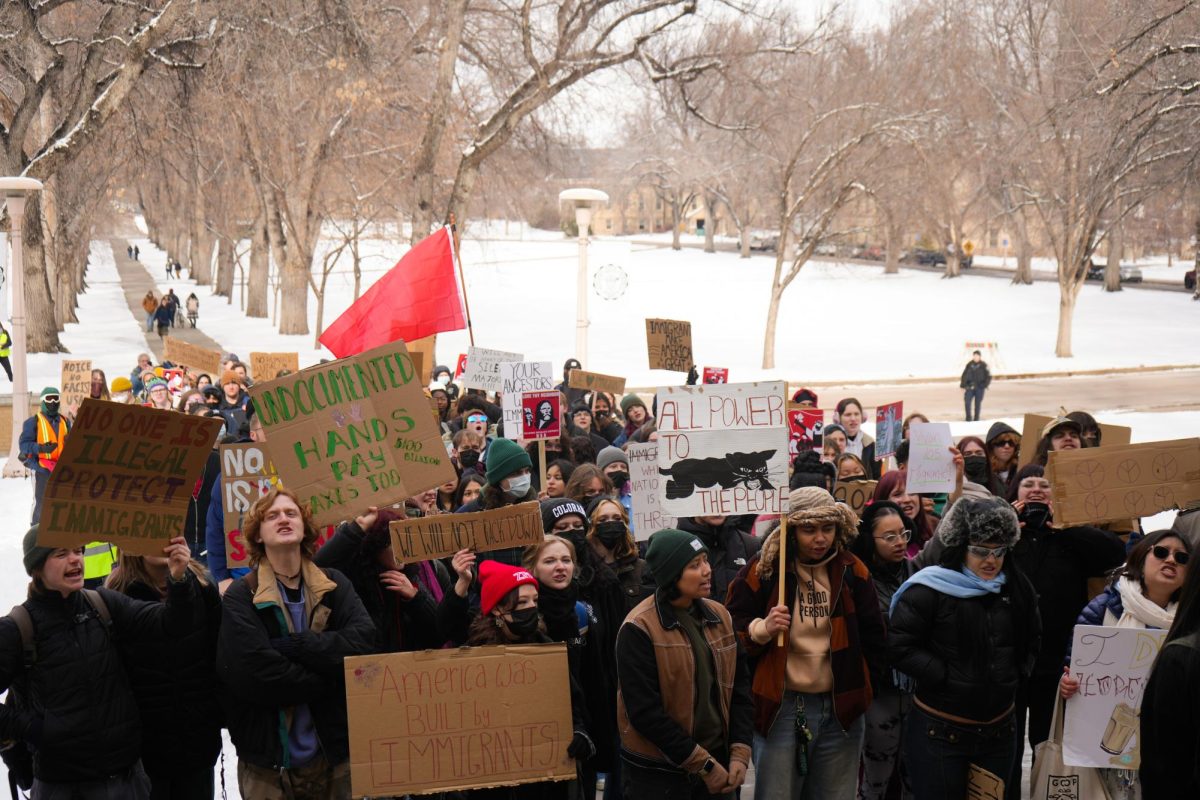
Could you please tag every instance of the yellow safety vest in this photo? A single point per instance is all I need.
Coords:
(5, 344)
(99, 558)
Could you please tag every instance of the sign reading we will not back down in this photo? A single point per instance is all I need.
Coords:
(353, 433)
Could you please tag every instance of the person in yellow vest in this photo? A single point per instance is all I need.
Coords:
(41, 445)
(5, 351)
(99, 558)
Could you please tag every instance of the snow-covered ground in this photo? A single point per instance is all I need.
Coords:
(832, 322)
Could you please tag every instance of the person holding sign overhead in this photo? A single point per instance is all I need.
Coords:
(286, 628)
(811, 692)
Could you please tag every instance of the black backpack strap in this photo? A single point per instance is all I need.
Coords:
(96, 601)
(20, 615)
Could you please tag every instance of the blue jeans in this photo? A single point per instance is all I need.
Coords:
(939, 754)
(833, 753)
(974, 393)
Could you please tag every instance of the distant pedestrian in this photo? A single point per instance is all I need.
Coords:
(150, 305)
(129, 250)
(975, 380)
(173, 300)
(163, 316)
(5, 352)
(193, 307)
(170, 268)
(136, 252)
(178, 269)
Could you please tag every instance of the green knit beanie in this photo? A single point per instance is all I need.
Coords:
(504, 457)
(669, 552)
(629, 401)
(35, 556)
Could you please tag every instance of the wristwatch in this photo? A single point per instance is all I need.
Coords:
(707, 768)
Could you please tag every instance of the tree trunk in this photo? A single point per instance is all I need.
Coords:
(894, 237)
(744, 244)
(675, 214)
(293, 286)
(357, 268)
(260, 271)
(42, 335)
(1024, 273)
(225, 268)
(320, 318)
(768, 360)
(1066, 313)
(1112, 267)
(710, 245)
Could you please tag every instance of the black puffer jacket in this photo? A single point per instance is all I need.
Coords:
(924, 643)
(729, 549)
(177, 680)
(78, 687)
(260, 683)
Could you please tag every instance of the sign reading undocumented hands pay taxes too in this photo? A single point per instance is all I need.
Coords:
(353, 433)
(447, 720)
(125, 476)
(445, 534)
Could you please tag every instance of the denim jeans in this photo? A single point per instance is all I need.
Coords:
(833, 753)
(976, 393)
(939, 754)
(150, 321)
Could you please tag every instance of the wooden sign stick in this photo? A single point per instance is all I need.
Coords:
(542, 463)
(782, 640)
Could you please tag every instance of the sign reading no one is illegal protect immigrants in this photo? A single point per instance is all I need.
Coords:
(125, 476)
(353, 433)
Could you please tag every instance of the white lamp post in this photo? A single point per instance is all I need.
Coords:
(584, 201)
(14, 190)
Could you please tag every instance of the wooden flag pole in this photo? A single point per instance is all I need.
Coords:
(782, 640)
(455, 242)
(542, 463)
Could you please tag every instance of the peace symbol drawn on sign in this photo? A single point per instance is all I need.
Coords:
(1128, 471)
(1165, 467)
(1095, 505)
(1164, 497)
(1089, 474)
(1135, 503)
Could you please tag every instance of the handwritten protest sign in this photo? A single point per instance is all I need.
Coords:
(889, 425)
(648, 515)
(125, 476)
(352, 433)
(930, 464)
(517, 378)
(421, 351)
(1031, 433)
(76, 382)
(483, 368)
(1112, 666)
(246, 475)
(669, 343)
(855, 494)
(1106, 483)
(460, 366)
(723, 449)
(542, 415)
(193, 356)
(805, 429)
(445, 534)
(265, 366)
(716, 375)
(595, 382)
(446, 720)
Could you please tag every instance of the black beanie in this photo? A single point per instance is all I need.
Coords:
(553, 510)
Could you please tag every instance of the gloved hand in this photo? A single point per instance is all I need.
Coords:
(693, 376)
(581, 747)
(48, 447)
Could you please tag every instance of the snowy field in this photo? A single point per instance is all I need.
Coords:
(833, 320)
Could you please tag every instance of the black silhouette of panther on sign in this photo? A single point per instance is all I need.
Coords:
(744, 469)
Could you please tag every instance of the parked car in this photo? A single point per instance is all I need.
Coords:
(933, 258)
(869, 253)
(1129, 272)
(826, 249)
(764, 240)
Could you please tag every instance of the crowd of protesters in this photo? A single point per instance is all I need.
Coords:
(919, 641)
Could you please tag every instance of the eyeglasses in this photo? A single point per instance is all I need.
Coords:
(987, 552)
(1161, 553)
(892, 538)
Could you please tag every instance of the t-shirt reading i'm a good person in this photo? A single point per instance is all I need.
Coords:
(809, 668)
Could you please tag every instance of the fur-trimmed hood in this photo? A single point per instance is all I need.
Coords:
(809, 504)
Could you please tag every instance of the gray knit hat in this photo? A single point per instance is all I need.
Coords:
(974, 520)
(35, 556)
(611, 455)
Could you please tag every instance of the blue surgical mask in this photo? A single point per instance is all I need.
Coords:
(518, 485)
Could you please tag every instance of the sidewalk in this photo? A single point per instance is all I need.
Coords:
(136, 281)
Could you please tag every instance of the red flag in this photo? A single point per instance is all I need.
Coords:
(416, 298)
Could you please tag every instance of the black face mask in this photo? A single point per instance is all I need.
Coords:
(1035, 515)
(578, 540)
(524, 622)
(619, 479)
(51, 408)
(976, 468)
(610, 534)
(468, 459)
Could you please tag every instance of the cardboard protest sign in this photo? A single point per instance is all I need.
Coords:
(716, 375)
(723, 449)
(1112, 666)
(421, 351)
(445, 534)
(542, 415)
(596, 382)
(805, 429)
(246, 475)
(448, 720)
(460, 366)
(1101, 484)
(353, 433)
(669, 343)
(648, 515)
(855, 494)
(930, 464)
(265, 366)
(193, 356)
(889, 425)
(517, 378)
(1031, 434)
(483, 368)
(76, 382)
(125, 476)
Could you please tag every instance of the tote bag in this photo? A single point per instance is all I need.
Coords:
(1054, 780)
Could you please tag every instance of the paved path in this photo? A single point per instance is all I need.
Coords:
(136, 281)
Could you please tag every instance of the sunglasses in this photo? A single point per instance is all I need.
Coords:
(892, 538)
(476, 419)
(987, 552)
(1161, 553)
(1006, 443)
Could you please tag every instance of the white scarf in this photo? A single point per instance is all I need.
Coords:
(1140, 611)
(855, 445)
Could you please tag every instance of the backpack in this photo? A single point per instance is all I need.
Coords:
(15, 753)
